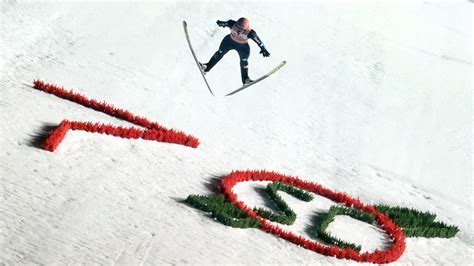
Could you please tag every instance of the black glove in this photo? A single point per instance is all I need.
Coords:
(222, 24)
(264, 52)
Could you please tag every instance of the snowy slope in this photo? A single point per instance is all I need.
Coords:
(375, 101)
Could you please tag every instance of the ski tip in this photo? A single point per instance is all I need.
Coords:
(184, 23)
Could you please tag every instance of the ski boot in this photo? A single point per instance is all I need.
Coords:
(203, 68)
(247, 81)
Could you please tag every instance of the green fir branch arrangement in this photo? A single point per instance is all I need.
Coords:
(287, 215)
(321, 229)
(224, 212)
(415, 223)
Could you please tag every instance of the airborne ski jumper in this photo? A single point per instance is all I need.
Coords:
(236, 40)
(240, 33)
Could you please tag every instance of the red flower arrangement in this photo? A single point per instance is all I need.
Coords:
(153, 131)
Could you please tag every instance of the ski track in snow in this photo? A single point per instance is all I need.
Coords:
(367, 105)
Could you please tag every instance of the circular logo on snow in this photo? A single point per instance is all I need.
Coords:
(395, 233)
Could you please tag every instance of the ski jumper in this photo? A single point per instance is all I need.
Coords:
(236, 40)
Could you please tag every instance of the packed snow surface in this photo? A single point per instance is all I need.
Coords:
(375, 101)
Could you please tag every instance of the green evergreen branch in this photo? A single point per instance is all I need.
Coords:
(415, 223)
(328, 218)
(224, 212)
(287, 215)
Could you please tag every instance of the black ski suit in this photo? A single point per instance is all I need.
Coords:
(236, 40)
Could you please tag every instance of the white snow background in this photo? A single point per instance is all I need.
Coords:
(375, 101)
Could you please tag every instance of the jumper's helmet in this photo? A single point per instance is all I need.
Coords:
(243, 23)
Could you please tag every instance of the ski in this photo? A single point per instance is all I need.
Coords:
(185, 26)
(259, 79)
